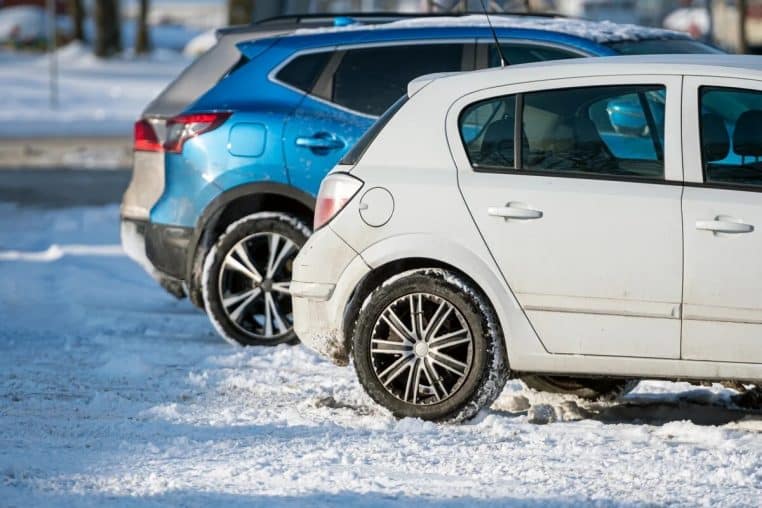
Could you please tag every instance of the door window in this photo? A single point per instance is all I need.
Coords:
(602, 131)
(731, 136)
(369, 80)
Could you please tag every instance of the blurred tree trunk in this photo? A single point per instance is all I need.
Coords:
(143, 38)
(77, 13)
(108, 34)
(743, 11)
(240, 12)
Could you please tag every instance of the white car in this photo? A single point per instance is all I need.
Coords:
(619, 240)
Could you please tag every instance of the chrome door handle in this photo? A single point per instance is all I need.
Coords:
(514, 211)
(724, 224)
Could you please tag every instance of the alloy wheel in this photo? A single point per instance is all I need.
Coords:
(421, 349)
(254, 285)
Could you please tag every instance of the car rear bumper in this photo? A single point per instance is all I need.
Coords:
(133, 235)
(322, 290)
(166, 248)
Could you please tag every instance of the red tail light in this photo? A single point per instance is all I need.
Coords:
(145, 139)
(184, 127)
(336, 191)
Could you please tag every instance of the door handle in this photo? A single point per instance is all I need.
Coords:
(724, 224)
(514, 211)
(320, 141)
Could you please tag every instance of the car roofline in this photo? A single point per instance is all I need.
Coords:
(740, 66)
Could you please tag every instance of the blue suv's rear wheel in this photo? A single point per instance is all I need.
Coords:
(247, 276)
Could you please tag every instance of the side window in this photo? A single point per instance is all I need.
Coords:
(624, 126)
(602, 131)
(731, 136)
(369, 80)
(526, 53)
(487, 130)
(302, 72)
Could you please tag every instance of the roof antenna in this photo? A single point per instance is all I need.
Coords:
(494, 34)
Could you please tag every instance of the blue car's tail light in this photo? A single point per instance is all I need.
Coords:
(184, 127)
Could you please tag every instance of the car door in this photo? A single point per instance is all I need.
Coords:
(356, 87)
(587, 232)
(722, 210)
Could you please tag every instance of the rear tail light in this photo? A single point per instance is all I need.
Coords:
(184, 127)
(336, 191)
(145, 139)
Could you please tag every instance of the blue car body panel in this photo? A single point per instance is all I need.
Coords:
(210, 165)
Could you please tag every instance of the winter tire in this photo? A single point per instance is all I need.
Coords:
(427, 345)
(586, 388)
(246, 279)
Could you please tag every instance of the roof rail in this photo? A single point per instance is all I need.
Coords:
(390, 16)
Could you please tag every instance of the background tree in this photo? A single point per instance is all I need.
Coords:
(108, 34)
(143, 37)
(77, 13)
(240, 12)
(743, 11)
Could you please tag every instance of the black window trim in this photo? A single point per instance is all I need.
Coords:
(518, 147)
(466, 42)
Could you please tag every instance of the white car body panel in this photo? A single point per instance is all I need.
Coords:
(722, 307)
(613, 305)
(605, 257)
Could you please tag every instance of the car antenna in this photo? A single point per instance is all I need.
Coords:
(494, 35)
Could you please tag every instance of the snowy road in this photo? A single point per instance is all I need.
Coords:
(111, 392)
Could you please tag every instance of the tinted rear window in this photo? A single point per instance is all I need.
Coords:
(302, 72)
(369, 80)
(659, 46)
(352, 157)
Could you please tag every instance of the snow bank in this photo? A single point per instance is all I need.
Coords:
(96, 97)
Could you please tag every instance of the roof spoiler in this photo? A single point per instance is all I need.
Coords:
(420, 82)
(254, 48)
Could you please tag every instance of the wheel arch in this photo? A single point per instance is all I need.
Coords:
(408, 252)
(235, 204)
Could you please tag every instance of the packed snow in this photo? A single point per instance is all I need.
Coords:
(113, 393)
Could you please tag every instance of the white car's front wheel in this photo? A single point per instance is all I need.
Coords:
(247, 277)
(427, 345)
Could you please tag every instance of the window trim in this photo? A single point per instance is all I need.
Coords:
(518, 147)
(466, 42)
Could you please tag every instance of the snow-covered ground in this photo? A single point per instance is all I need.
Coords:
(113, 393)
(96, 97)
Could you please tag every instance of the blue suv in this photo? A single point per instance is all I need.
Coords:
(243, 163)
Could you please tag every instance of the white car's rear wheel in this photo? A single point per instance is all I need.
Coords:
(247, 277)
(427, 345)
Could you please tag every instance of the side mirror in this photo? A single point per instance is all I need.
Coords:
(626, 116)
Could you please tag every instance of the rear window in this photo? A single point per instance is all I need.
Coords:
(352, 157)
(662, 46)
(302, 72)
